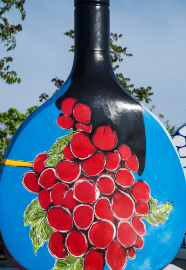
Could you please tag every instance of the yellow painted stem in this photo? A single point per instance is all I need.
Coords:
(16, 163)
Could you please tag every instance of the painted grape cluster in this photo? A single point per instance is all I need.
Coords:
(91, 198)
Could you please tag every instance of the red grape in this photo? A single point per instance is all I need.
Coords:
(125, 151)
(67, 153)
(104, 138)
(86, 191)
(116, 256)
(68, 171)
(122, 205)
(124, 178)
(30, 182)
(59, 218)
(139, 243)
(106, 184)
(44, 198)
(82, 113)
(94, 260)
(113, 160)
(142, 208)
(81, 146)
(131, 253)
(70, 201)
(141, 192)
(48, 178)
(65, 122)
(94, 165)
(132, 163)
(86, 129)
(138, 225)
(57, 247)
(39, 162)
(76, 243)
(101, 234)
(67, 105)
(83, 216)
(58, 193)
(103, 209)
(126, 234)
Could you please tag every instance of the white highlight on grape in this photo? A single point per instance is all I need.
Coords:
(182, 131)
(179, 141)
(182, 152)
(184, 170)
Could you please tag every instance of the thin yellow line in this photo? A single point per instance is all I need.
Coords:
(16, 163)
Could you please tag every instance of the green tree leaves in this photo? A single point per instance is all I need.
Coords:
(158, 214)
(40, 231)
(7, 36)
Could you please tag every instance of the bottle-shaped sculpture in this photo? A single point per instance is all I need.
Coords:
(91, 180)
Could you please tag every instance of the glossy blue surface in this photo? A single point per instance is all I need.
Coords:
(163, 173)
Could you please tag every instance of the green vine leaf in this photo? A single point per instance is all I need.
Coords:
(40, 231)
(158, 214)
(70, 263)
(55, 153)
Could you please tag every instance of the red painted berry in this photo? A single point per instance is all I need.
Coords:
(44, 198)
(83, 216)
(94, 165)
(67, 153)
(39, 162)
(48, 178)
(113, 160)
(65, 122)
(125, 178)
(86, 191)
(70, 201)
(141, 192)
(125, 151)
(138, 225)
(122, 205)
(131, 253)
(68, 171)
(126, 234)
(132, 163)
(139, 243)
(76, 243)
(103, 209)
(30, 182)
(106, 184)
(142, 208)
(58, 193)
(81, 146)
(59, 218)
(94, 260)
(116, 256)
(104, 138)
(84, 128)
(102, 233)
(67, 105)
(56, 246)
(82, 113)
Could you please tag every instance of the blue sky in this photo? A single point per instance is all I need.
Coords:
(153, 31)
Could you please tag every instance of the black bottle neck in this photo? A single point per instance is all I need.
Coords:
(92, 26)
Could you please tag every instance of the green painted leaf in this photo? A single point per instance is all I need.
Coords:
(158, 214)
(79, 264)
(69, 263)
(40, 231)
(55, 153)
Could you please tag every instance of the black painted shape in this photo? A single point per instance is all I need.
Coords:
(94, 84)
(77, 2)
(92, 27)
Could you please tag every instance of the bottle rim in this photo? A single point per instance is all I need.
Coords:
(77, 2)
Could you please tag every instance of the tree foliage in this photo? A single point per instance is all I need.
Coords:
(9, 123)
(116, 56)
(7, 37)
